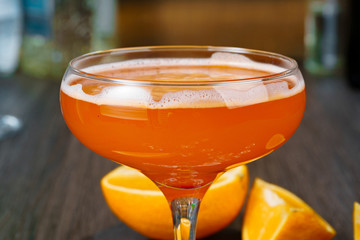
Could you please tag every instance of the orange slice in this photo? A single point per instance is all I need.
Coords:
(137, 202)
(356, 220)
(273, 213)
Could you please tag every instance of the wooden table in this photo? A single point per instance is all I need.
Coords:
(49, 182)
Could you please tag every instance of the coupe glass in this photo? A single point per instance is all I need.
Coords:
(183, 115)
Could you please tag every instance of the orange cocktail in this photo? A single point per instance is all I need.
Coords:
(182, 146)
(183, 120)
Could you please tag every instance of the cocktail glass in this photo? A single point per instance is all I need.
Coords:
(183, 115)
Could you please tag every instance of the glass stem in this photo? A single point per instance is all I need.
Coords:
(185, 211)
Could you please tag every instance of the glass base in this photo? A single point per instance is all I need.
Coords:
(185, 211)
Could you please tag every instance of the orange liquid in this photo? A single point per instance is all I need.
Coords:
(181, 146)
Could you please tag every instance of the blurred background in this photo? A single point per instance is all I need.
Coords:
(39, 37)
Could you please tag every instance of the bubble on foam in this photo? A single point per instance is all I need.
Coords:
(76, 92)
(126, 95)
(277, 89)
(285, 88)
(239, 60)
(248, 94)
(221, 57)
(188, 98)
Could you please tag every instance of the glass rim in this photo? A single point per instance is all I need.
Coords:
(128, 81)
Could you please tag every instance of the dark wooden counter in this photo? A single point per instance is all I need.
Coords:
(49, 182)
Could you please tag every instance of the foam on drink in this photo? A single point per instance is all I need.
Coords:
(221, 66)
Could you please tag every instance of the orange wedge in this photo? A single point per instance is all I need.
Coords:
(137, 202)
(356, 220)
(273, 213)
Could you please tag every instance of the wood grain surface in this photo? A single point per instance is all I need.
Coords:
(49, 182)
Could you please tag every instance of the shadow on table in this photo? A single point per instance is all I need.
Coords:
(120, 232)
